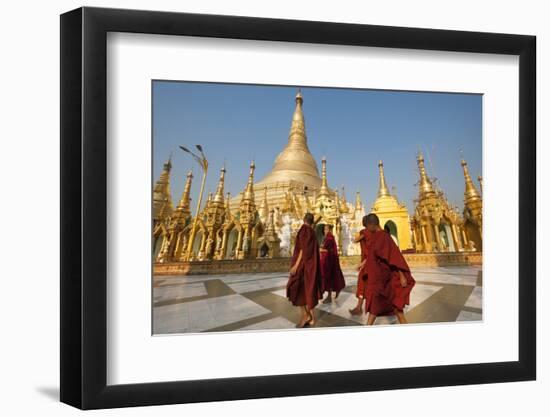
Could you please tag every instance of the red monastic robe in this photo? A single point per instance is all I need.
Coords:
(362, 276)
(383, 292)
(333, 278)
(304, 287)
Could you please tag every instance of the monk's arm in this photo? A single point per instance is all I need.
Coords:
(358, 237)
(294, 267)
(402, 279)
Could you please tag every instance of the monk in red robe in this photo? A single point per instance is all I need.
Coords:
(363, 238)
(389, 280)
(333, 278)
(304, 284)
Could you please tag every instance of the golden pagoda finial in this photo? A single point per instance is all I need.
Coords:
(162, 196)
(297, 136)
(382, 187)
(358, 203)
(249, 191)
(227, 202)
(470, 191)
(480, 180)
(425, 184)
(218, 197)
(185, 200)
(264, 208)
(324, 191)
(344, 204)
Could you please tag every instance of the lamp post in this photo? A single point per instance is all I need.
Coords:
(203, 163)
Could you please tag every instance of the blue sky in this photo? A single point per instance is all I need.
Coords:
(354, 129)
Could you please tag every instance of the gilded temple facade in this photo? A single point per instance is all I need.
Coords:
(263, 219)
(439, 227)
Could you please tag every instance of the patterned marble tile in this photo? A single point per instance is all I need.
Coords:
(475, 299)
(255, 285)
(271, 324)
(446, 278)
(469, 316)
(201, 315)
(178, 292)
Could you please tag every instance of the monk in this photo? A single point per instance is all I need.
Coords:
(363, 238)
(333, 278)
(389, 280)
(304, 284)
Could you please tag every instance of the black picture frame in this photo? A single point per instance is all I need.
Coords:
(84, 207)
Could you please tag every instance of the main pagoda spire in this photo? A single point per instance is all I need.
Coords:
(295, 162)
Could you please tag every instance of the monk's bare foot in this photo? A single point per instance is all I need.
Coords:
(311, 320)
(357, 311)
(327, 300)
(304, 322)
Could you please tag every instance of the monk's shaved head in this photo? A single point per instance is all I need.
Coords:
(308, 218)
(371, 219)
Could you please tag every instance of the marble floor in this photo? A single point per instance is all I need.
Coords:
(191, 304)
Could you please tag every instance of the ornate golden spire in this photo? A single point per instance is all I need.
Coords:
(249, 190)
(227, 201)
(264, 208)
(382, 187)
(184, 204)
(344, 204)
(480, 180)
(218, 197)
(295, 162)
(425, 185)
(324, 191)
(162, 197)
(358, 203)
(184, 201)
(470, 191)
(209, 199)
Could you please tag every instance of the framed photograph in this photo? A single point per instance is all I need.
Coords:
(259, 208)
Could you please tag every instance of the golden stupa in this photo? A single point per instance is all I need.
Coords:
(393, 215)
(294, 170)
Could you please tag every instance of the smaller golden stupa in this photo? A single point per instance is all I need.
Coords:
(393, 215)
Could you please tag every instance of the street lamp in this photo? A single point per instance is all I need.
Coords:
(203, 163)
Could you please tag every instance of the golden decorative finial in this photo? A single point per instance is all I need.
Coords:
(264, 208)
(324, 191)
(358, 203)
(425, 184)
(162, 196)
(227, 201)
(218, 197)
(249, 191)
(470, 191)
(480, 180)
(185, 200)
(299, 97)
(382, 187)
